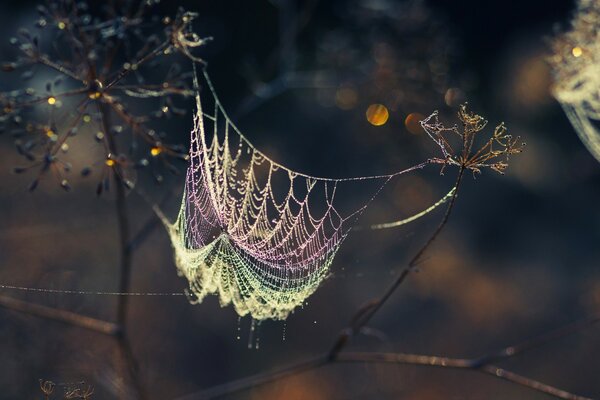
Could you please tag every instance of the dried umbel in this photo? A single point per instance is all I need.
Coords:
(116, 77)
(576, 66)
(493, 154)
(47, 388)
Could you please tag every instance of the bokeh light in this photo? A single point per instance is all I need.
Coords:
(413, 123)
(346, 98)
(377, 114)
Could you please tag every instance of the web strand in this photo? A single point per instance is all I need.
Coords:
(262, 247)
(88, 292)
(259, 235)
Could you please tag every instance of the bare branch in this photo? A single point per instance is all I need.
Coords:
(56, 314)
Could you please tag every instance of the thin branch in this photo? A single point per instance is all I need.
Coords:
(540, 340)
(128, 363)
(365, 313)
(457, 363)
(68, 317)
(360, 319)
(483, 364)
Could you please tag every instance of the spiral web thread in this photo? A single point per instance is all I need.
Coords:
(259, 235)
(576, 67)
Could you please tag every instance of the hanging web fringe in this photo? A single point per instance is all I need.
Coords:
(263, 248)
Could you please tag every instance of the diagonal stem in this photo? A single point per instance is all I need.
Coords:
(365, 313)
(483, 364)
(458, 363)
(65, 316)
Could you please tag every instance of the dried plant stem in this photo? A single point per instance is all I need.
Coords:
(457, 363)
(68, 317)
(483, 364)
(360, 319)
(365, 313)
(126, 360)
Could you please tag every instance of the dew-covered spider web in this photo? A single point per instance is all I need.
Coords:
(576, 67)
(257, 234)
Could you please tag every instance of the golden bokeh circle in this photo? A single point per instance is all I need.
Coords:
(377, 114)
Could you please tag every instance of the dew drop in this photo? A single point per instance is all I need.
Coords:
(283, 333)
(251, 333)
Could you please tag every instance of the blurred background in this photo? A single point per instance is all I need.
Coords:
(519, 256)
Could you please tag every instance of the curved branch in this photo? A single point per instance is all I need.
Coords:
(483, 364)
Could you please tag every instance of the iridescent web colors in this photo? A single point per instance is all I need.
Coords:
(261, 236)
(260, 245)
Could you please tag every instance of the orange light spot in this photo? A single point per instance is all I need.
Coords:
(110, 162)
(377, 114)
(413, 123)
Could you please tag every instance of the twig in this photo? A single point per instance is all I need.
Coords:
(483, 364)
(360, 319)
(128, 363)
(365, 313)
(458, 363)
(68, 317)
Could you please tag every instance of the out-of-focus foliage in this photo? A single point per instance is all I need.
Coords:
(85, 68)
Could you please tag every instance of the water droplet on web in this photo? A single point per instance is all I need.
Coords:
(251, 333)
(257, 334)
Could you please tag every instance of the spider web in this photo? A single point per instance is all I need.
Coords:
(576, 67)
(259, 235)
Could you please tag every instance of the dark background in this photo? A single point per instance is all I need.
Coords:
(519, 256)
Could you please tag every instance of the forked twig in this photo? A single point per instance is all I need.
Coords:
(483, 364)
(65, 316)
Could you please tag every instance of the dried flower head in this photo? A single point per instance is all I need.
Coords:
(47, 388)
(493, 154)
(78, 390)
(105, 59)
